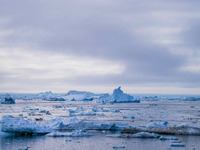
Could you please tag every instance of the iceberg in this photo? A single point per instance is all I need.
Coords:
(118, 96)
(75, 124)
(80, 96)
(23, 127)
(8, 100)
(49, 96)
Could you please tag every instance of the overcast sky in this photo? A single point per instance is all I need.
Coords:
(97, 45)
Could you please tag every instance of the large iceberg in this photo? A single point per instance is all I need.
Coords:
(8, 100)
(80, 95)
(49, 96)
(118, 96)
(22, 126)
(75, 124)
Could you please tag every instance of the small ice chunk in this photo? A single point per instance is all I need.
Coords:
(157, 124)
(5, 134)
(114, 135)
(177, 145)
(163, 138)
(24, 148)
(118, 146)
(146, 135)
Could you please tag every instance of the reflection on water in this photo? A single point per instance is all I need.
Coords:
(99, 142)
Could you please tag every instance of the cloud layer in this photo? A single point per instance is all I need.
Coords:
(74, 44)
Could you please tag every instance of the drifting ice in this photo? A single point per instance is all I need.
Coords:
(75, 133)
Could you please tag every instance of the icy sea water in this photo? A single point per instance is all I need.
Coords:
(96, 142)
(175, 112)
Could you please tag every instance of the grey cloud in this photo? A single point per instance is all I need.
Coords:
(102, 30)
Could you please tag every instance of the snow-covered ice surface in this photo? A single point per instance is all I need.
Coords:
(151, 113)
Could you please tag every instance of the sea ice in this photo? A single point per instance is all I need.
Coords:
(75, 133)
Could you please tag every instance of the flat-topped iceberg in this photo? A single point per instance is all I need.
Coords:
(49, 96)
(7, 100)
(74, 95)
(22, 126)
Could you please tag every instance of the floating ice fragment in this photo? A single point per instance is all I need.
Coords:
(114, 135)
(75, 133)
(157, 124)
(118, 146)
(146, 135)
(163, 138)
(177, 145)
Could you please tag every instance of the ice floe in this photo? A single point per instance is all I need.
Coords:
(76, 133)
(118, 146)
(145, 135)
(177, 145)
(163, 138)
